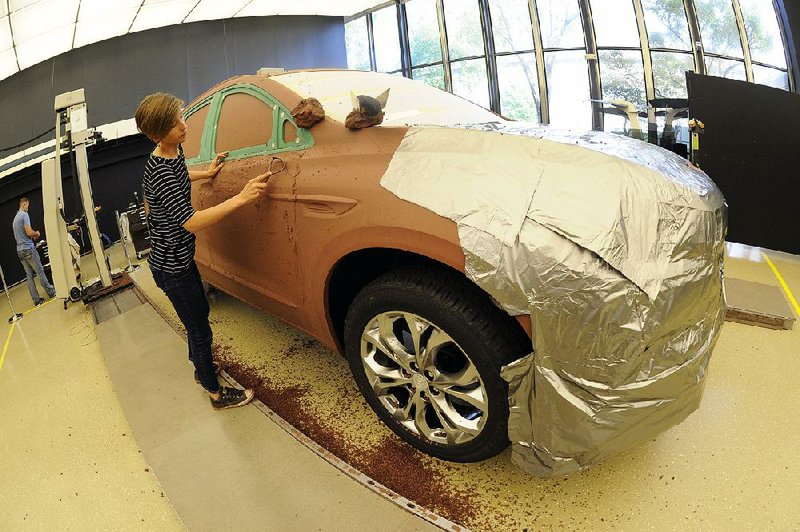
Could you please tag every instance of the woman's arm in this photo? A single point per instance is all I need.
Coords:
(212, 171)
(250, 193)
(196, 175)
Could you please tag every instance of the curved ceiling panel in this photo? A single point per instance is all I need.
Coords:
(32, 31)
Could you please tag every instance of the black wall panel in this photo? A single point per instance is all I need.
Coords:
(751, 150)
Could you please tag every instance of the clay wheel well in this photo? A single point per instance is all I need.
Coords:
(355, 271)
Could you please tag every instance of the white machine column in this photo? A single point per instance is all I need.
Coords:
(74, 105)
(56, 228)
(91, 220)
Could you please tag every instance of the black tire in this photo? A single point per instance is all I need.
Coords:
(487, 337)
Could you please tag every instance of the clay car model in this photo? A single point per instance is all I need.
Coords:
(384, 280)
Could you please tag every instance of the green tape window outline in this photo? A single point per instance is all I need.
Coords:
(277, 142)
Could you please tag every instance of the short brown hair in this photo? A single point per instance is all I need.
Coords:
(23, 200)
(156, 114)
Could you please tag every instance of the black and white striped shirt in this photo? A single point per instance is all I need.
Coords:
(168, 192)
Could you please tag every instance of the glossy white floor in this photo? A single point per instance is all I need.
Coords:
(69, 459)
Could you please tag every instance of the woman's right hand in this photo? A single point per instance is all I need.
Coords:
(254, 189)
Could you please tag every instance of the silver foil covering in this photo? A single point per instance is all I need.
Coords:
(613, 246)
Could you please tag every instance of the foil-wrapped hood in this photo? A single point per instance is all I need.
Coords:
(624, 213)
(613, 246)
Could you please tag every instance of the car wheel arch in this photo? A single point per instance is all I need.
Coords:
(358, 268)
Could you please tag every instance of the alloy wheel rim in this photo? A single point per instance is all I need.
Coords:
(423, 378)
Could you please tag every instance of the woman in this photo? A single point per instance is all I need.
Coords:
(173, 223)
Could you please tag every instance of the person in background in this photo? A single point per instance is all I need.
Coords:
(173, 223)
(28, 254)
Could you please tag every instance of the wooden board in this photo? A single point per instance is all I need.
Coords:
(757, 304)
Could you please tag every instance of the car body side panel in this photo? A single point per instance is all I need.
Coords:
(254, 244)
(341, 208)
(278, 254)
(251, 253)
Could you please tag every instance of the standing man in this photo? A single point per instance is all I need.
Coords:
(27, 253)
(173, 222)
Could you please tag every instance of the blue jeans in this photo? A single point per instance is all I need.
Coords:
(185, 292)
(33, 265)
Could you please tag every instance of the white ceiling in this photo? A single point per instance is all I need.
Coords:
(32, 31)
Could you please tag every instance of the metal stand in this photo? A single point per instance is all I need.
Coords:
(130, 267)
(15, 316)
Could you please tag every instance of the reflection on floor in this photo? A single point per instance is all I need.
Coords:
(214, 470)
(730, 465)
(68, 458)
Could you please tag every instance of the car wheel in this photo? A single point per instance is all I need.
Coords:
(426, 349)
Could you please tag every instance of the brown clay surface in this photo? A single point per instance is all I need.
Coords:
(358, 120)
(118, 282)
(308, 112)
(277, 254)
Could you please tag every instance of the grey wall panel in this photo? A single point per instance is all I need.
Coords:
(251, 43)
(207, 56)
(184, 60)
(120, 73)
(26, 105)
(291, 42)
(69, 73)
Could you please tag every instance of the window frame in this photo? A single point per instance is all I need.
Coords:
(277, 143)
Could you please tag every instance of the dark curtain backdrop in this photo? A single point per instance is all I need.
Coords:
(751, 150)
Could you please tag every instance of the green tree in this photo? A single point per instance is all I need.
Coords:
(623, 76)
(356, 44)
(515, 105)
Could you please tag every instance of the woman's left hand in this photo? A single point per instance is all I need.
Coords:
(216, 165)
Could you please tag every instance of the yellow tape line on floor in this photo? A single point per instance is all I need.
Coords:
(11, 331)
(783, 284)
(5, 347)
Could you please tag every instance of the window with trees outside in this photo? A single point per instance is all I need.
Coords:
(387, 40)
(424, 43)
(465, 46)
(621, 65)
(517, 74)
(357, 44)
(528, 59)
(766, 44)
